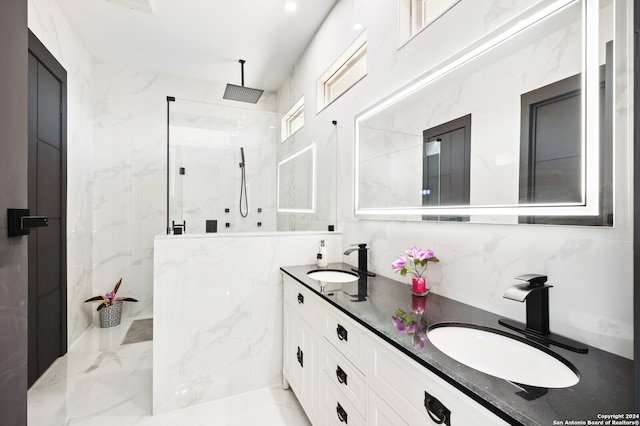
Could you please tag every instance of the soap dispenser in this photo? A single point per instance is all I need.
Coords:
(322, 255)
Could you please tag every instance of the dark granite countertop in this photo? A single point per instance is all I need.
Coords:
(606, 380)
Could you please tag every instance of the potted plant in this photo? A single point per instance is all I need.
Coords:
(415, 262)
(110, 306)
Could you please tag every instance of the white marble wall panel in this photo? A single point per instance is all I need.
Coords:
(51, 27)
(591, 269)
(218, 312)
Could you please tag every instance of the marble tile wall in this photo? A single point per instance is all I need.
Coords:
(591, 269)
(217, 327)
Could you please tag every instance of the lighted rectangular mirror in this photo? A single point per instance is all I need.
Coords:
(480, 134)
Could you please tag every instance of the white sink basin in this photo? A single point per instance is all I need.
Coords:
(332, 276)
(503, 355)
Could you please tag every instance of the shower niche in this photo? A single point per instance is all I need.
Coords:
(230, 171)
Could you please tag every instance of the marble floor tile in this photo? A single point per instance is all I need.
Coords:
(100, 381)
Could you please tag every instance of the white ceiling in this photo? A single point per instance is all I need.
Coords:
(202, 39)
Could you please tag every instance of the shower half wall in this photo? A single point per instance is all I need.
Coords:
(289, 185)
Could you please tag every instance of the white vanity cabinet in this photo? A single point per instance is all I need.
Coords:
(301, 356)
(351, 376)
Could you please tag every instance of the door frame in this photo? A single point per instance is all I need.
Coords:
(636, 198)
(51, 63)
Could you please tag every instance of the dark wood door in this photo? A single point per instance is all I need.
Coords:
(446, 166)
(47, 259)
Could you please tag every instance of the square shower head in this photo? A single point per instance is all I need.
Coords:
(242, 93)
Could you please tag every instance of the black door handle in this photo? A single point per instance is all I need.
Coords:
(19, 222)
(300, 298)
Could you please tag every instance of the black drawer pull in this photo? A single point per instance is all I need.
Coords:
(342, 415)
(341, 375)
(300, 356)
(300, 298)
(438, 412)
(342, 332)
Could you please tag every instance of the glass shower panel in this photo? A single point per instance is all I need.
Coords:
(205, 172)
(209, 148)
(307, 189)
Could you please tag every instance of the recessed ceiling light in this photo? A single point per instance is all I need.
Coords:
(290, 6)
(357, 27)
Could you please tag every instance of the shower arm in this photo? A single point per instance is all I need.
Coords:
(242, 61)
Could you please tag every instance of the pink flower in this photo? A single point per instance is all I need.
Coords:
(419, 254)
(110, 295)
(399, 263)
(413, 251)
(415, 262)
(428, 254)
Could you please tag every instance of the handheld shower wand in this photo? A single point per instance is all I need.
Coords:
(244, 203)
(242, 155)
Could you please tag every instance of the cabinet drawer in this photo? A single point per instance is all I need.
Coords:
(380, 414)
(346, 336)
(408, 387)
(346, 378)
(337, 409)
(303, 300)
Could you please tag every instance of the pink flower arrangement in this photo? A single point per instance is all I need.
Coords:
(415, 262)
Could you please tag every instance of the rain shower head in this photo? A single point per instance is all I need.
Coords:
(242, 93)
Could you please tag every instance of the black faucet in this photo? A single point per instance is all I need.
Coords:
(536, 293)
(362, 259)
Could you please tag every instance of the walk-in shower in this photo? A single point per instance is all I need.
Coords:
(282, 185)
